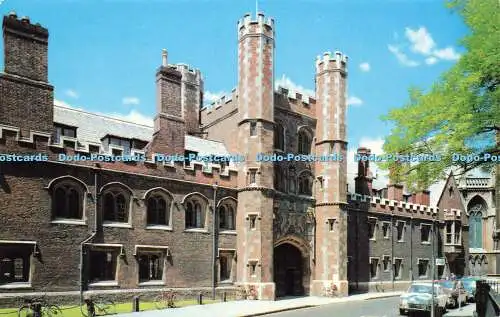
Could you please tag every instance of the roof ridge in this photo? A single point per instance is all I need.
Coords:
(102, 116)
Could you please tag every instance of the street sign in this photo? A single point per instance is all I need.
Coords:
(440, 261)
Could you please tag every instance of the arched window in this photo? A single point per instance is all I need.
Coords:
(67, 199)
(158, 209)
(305, 184)
(195, 213)
(477, 209)
(292, 180)
(116, 205)
(304, 143)
(279, 137)
(227, 217)
(279, 178)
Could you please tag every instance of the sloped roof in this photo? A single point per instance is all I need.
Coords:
(93, 127)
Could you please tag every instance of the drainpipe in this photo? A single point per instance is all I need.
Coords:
(82, 245)
(411, 249)
(214, 242)
(392, 249)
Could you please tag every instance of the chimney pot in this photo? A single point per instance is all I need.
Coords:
(164, 58)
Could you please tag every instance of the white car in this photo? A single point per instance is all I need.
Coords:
(418, 298)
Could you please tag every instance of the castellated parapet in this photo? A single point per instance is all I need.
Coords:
(332, 62)
(248, 26)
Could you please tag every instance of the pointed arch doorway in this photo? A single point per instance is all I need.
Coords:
(291, 267)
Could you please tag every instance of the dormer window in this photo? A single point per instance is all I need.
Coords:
(124, 144)
(63, 130)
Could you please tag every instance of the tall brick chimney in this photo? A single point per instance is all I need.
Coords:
(169, 124)
(395, 192)
(422, 197)
(364, 180)
(191, 97)
(395, 189)
(26, 97)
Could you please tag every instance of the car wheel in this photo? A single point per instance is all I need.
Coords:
(402, 312)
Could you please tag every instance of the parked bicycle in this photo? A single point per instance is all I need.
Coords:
(165, 300)
(99, 307)
(38, 307)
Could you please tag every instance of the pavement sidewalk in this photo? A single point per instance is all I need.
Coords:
(467, 311)
(250, 308)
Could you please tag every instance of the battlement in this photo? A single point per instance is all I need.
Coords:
(199, 171)
(296, 96)
(262, 25)
(452, 214)
(393, 207)
(188, 73)
(219, 108)
(329, 61)
(23, 27)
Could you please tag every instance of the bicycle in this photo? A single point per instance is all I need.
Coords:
(38, 307)
(166, 299)
(99, 307)
(380, 287)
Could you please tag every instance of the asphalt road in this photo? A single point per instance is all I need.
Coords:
(384, 307)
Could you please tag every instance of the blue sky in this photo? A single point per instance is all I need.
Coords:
(103, 54)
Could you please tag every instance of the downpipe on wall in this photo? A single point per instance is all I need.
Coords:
(82, 245)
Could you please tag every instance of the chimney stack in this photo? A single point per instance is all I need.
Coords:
(422, 197)
(364, 180)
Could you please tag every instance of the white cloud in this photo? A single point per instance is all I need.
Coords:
(354, 101)
(133, 116)
(128, 101)
(421, 43)
(287, 83)
(63, 104)
(421, 40)
(210, 97)
(402, 57)
(431, 60)
(71, 93)
(448, 54)
(365, 67)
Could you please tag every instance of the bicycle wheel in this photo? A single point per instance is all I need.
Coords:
(51, 311)
(105, 307)
(160, 302)
(24, 311)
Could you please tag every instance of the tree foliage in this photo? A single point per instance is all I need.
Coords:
(460, 113)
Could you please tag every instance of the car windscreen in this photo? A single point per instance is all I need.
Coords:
(469, 283)
(447, 284)
(420, 289)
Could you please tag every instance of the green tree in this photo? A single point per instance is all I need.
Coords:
(460, 113)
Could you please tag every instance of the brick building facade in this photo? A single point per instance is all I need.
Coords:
(283, 228)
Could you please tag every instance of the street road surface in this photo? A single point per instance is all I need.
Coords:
(383, 307)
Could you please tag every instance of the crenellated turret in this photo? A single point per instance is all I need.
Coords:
(256, 135)
(331, 176)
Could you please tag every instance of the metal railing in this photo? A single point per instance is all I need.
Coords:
(487, 298)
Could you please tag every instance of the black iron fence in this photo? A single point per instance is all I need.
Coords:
(488, 298)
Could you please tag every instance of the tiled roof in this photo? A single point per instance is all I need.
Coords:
(93, 127)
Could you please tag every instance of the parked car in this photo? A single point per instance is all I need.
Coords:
(457, 295)
(469, 284)
(418, 299)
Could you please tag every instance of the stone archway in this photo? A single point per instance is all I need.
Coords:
(291, 267)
